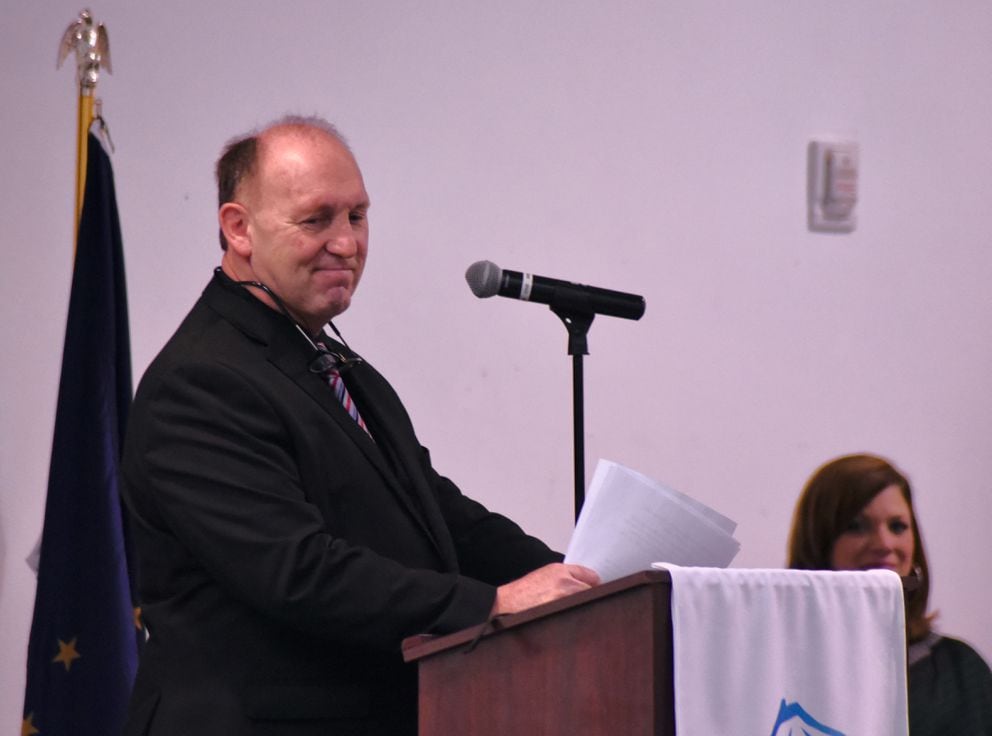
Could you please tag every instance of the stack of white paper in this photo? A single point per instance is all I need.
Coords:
(630, 521)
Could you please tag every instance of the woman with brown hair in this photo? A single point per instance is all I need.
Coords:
(856, 513)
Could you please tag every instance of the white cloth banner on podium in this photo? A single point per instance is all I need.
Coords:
(786, 652)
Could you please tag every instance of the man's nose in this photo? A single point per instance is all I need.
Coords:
(342, 240)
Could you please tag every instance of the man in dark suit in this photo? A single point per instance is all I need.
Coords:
(286, 542)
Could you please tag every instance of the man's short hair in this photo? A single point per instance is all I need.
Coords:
(239, 158)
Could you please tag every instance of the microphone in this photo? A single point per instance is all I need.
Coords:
(487, 279)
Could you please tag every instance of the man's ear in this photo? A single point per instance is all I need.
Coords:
(233, 220)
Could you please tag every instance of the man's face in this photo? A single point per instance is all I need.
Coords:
(307, 220)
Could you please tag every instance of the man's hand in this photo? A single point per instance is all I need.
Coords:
(544, 584)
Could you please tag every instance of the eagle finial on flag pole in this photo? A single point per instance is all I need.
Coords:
(91, 45)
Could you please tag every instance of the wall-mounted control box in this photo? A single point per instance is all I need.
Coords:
(833, 185)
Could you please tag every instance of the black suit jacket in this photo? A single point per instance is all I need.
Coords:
(283, 554)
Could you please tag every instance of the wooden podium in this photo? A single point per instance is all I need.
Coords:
(597, 662)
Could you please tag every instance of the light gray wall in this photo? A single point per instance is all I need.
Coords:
(656, 147)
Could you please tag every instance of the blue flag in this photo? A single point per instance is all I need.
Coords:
(82, 654)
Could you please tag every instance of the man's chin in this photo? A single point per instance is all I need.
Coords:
(334, 306)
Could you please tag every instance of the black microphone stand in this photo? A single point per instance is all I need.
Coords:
(577, 318)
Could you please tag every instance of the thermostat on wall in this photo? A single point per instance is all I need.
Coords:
(833, 186)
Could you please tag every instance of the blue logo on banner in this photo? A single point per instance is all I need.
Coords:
(794, 721)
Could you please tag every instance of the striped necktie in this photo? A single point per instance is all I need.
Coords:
(334, 380)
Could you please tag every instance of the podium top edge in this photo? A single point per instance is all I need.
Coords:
(423, 645)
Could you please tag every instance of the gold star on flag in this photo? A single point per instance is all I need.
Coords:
(27, 727)
(67, 653)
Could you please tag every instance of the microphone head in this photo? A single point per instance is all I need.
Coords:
(483, 278)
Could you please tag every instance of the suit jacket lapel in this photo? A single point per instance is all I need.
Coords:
(395, 435)
(286, 354)
(289, 352)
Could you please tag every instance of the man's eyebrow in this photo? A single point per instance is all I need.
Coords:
(315, 210)
(325, 209)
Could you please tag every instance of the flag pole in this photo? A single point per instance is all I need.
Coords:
(91, 45)
(83, 649)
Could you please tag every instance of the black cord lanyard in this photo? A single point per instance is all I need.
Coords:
(326, 359)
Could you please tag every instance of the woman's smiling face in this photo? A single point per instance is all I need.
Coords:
(880, 536)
